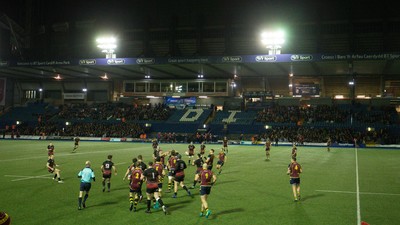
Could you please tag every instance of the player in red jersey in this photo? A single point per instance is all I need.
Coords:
(294, 170)
(225, 144)
(221, 160)
(190, 153)
(207, 179)
(106, 168)
(267, 148)
(50, 150)
(202, 149)
(171, 169)
(159, 167)
(130, 168)
(152, 180)
(51, 167)
(135, 177)
(294, 151)
(210, 159)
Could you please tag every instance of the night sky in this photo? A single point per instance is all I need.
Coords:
(137, 14)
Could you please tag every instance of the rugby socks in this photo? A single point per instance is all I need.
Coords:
(85, 197)
(55, 176)
(131, 199)
(148, 205)
(79, 202)
(194, 183)
(187, 190)
(160, 202)
(169, 185)
(136, 202)
(108, 186)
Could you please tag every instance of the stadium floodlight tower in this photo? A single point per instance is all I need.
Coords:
(273, 40)
(108, 46)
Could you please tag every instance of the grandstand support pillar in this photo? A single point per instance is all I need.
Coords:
(290, 81)
(352, 82)
(322, 87)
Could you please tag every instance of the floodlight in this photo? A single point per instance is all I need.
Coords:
(107, 45)
(273, 40)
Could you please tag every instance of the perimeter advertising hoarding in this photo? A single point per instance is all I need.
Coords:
(225, 59)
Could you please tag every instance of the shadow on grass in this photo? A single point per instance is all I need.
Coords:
(172, 206)
(106, 203)
(311, 197)
(227, 172)
(229, 211)
(225, 182)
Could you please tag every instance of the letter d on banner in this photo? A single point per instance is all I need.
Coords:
(2, 91)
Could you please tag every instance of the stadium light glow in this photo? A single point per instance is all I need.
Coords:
(273, 40)
(108, 46)
(105, 77)
(58, 77)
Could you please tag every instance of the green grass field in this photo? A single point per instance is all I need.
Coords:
(249, 191)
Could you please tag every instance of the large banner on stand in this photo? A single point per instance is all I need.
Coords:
(3, 91)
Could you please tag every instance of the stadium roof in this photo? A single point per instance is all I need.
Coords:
(223, 67)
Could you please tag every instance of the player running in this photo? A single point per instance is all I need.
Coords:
(199, 167)
(135, 177)
(106, 168)
(225, 144)
(294, 170)
(207, 179)
(152, 180)
(190, 153)
(267, 148)
(51, 167)
(50, 150)
(210, 159)
(171, 168)
(202, 149)
(221, 160)
(294, 151)
(180, 176)
(76, 143)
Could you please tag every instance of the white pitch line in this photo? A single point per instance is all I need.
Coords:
(62, 154)
(28, 177)
(122, 163)
(353, 192)
(358, 188)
